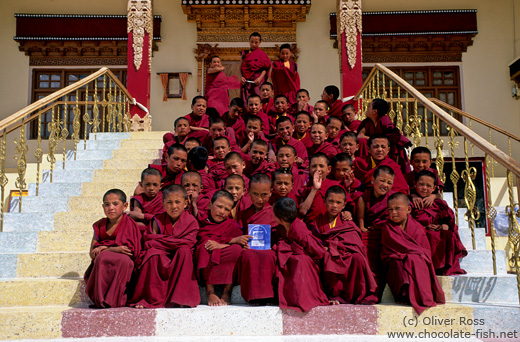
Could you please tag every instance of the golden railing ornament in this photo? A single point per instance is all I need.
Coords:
(21, 165)
(491, 214)
(76, 125)
(86, 120)
(3, 178)
(439, 144)
(454, 176)
(95, 113)
(54, 129)
(64, 133)
(38, 153)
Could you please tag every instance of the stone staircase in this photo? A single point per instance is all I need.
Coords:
(43, 254)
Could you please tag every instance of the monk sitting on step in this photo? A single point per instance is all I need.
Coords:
(407, 259)
(114, 251)
(145, 206)
(166, 277)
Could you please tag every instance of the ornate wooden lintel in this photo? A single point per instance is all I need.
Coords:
(232, 23)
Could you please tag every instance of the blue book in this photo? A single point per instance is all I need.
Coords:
(261, 234)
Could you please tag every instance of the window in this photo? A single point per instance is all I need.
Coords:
(442, 83)
(46, 82)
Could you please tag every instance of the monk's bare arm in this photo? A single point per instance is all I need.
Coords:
(155, 228)
(360, 211)
(94, 252)
(306, 205)
(361, 134)
(137, 212)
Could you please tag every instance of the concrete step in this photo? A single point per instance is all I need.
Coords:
(110, 136)
(77, 240)
(80, 164)
(99, 145)
(448, 197)
(481, 262)
(124, 175)
(76, 220)
(93, 155)
(151, 153)
(8, 265)
(71, 176)
(137, 144)
(99, 188)
(26, 222)
(480, 238)
(31, 322)
(55, 189)
(45, 204)
(42, 292)
(127, 164)
(52, 264)
(483, 288)
(18, 242)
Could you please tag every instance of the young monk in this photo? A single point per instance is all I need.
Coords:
(115, 248)
(286, 159)
(302, 127)
(254, 68)
(298, 254)
(348, 144)
(284, 130)
(254, 108)
(145, 206)
(233, 117)
(331, 96)
(165, 277)
(312, 196)
(199, 120)
(190, 143)
(371, 209)
(378, 148)
(192, 184)
(217, 85)
(181, 133)
(319, 138)
(284, 75)
(302, 103)
(282, 185)
(439, 221)
(234, 165)
(342, 172)
(253, 132)
(406, 258)
(257, 268)
(280, 110)
(378, 122)
(173, 169)
(347, 275)
(220, 244)
(198, 162)
(349, 116)
(216, 169)
(335, 129)
(319, 113)
(218, 129)
(257, 161)
(267, 97)
(421, 159)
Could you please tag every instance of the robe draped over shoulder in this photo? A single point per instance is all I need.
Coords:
(364, 171)
(253, 64)
(150, 206)
(217, 85)
(286, 81)
(168, 178)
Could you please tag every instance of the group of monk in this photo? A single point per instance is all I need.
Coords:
(347, 209)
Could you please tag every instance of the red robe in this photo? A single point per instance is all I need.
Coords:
(301, 151)
(326, 147)
(410, 272)
(168, 178)
(265, 167)
(253, 64)
(318, 205)
(292, 195)
(169, 140)
(166, 276)
(293, 109)
(335, 109)
(108, 276)
(149, 206)
(298, 254)
(347, 275)
(273, 116)
(265, 121)
(354, 125)
(217, 267)
(243, 138)
(397, 141)
(305, 140)
(257, 268)
(286, 81)
(208, 183)
(204, 200)
(217, 85)
(335, 141)
(198, 122)
(364, 171)
(207, 141)
(268, 105)
(445, 245)
(410, 179)
(237, 124)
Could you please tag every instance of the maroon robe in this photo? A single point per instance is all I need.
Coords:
(397, 141)
(445, 245)
(108, 276)
(243, 138)
(257, 268)
(273, 116)
(275, 196)
(168, 178)
(318, 205)
(265, 121)
(217, 85)
(410, 179)
(149, 206)
(301, 151)
(217, 267)
(298, 254)
(207, 141)
(364, 171)
(198, 122)
(268, 105)
(354, 126)
(293, 109)
(264, 167)
(347, 275)
(325, 147)
(335, 141)
(204, 200)
(253, 64)
(305, 140)
(410, 272)
(169, 139)
(335, 109)
(237, 124)
(286, 81)
(166, 276)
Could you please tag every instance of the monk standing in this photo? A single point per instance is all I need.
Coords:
(254, 68)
